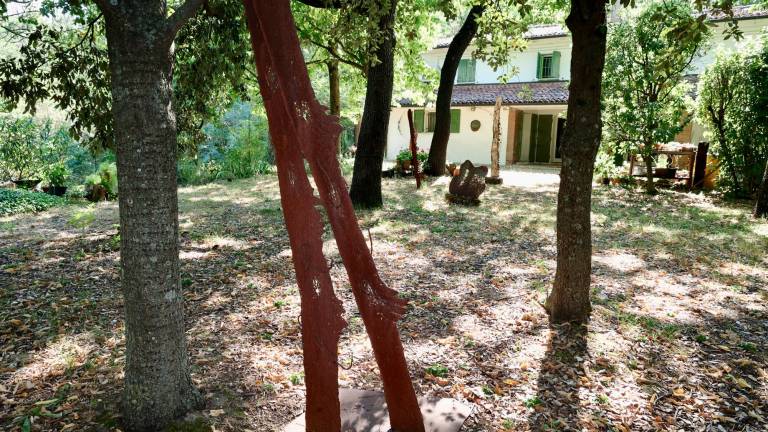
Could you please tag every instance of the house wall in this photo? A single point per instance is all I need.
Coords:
(469, 144)
(466, 144)
(525, 62)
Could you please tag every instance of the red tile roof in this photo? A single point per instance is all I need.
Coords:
(526, 93)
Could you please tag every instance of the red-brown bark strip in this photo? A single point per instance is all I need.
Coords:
(301, 129)
(414, 150)
(320, 308)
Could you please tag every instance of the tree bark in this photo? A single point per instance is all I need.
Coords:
(650, 187)
(569, 299)
(372, 141)
(496, 138)
(438, 149)
(761, 205)
(334, 86)
(158, 387)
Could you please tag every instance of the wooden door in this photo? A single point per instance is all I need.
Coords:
(541, 137)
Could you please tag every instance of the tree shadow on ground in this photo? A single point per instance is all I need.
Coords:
(556, 404)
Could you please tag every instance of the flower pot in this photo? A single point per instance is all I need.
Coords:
(27, 184)
(406, 165)
(97, 193)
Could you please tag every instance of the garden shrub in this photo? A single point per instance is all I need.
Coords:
(14, 201)
(733, 105)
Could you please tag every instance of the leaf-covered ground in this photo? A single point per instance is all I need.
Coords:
(677, 340)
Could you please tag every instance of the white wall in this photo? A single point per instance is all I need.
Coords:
(751, 28)
(467, 144)
(525, 62)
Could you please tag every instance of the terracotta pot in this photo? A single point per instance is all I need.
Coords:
(406, 164)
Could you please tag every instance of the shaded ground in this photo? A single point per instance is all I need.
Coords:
(677, 341)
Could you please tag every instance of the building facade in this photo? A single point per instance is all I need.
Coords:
(534, 101)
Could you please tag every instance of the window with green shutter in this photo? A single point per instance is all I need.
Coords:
(548, 66)
(466, 72)
(455, 120)
(418, 120)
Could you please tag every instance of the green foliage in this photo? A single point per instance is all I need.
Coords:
(733, 104)
(28, 148)
(13, 201)
(606, 167)
(438, 370)
(106, 176)
(236, 146)
(58, 174)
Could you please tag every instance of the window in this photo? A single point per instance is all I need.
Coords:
(424, 121)
(466, 72)
(431, 120)
(548, 66)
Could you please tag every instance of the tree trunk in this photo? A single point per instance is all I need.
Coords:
(438, 149)
(372, 141)
(650, 187)
(729, 160)
(334, 99)
(496, 138)
(333, 83)
(569, 299)
(158, 387)
(761, 205)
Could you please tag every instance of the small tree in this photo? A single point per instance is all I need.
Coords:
(644, 80)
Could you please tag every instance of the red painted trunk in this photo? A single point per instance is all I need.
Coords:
(301, 130)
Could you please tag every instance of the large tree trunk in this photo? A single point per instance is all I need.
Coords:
(569, 299)
(372, 140)
(761, 205)
(158, 387)
(438, 149)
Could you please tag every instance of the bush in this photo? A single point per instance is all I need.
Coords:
(733, 105)
(13, 201)
(28, 148)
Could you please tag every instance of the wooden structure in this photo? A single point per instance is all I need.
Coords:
(693, 166)
(414, 150)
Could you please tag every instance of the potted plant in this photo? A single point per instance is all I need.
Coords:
(403, 160)
(57, 176)
(606, 168)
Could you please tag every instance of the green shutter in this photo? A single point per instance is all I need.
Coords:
(539, 64)
(466, 73)
(556, 65)
(418, 120)
(455, 120)
(471, 72)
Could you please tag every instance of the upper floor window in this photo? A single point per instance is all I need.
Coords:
(466, 73)
(548, 66)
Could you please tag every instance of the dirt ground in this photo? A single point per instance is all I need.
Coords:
(677, 340)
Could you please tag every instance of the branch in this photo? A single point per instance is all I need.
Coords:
(180, 17)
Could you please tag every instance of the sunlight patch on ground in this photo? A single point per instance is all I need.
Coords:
(67, 353)
(619, 262)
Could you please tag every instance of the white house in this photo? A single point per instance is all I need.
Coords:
(533, 102)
